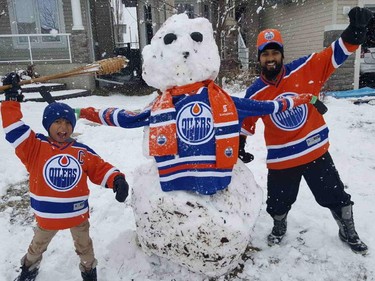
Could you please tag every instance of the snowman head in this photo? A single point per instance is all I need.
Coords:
(183, 51)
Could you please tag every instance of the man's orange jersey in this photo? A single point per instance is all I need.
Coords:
(58, 172)
(299, 135)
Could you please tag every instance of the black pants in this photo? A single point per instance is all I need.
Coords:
(322, 178)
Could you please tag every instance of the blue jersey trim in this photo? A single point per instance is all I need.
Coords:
(58, 207)
(296, 148)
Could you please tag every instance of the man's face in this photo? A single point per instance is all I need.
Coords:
(271, 61)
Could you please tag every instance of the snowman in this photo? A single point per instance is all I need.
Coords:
(194, 202)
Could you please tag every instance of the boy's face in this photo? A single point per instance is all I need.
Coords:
(60, 130)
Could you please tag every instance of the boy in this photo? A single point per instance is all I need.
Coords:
(58, 168)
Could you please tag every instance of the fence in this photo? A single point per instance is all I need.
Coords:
(30, 48)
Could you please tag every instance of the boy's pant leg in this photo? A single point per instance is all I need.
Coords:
(83, 245)
(42, 238)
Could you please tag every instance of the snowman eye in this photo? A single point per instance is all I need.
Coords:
(169, 38)
(197, 36)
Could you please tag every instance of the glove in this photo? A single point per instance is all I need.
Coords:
(355, 33)
(360, 17)
(15, 92)
(246, 157)
(319, 105)
(121, 188)
(309, 98)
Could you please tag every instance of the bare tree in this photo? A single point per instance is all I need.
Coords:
(223, 30)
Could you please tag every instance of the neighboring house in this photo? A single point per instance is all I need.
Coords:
(55, 36)
(233, 51)
(194, 8)
(151, 15)
(307, 26)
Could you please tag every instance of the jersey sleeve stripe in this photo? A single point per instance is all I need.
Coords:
(16, 139)
(107, 175)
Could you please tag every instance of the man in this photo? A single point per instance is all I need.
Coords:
(297, 141)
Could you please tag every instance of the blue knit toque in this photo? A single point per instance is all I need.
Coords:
(57, 110)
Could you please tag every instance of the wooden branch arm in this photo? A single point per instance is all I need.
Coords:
(106, 66)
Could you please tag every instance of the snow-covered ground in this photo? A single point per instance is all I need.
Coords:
(310, 251)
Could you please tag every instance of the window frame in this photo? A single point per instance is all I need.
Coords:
(39, 43)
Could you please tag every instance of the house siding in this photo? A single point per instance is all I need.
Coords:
(4, 19)
(301, 25)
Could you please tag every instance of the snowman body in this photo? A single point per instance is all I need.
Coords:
(186, 209)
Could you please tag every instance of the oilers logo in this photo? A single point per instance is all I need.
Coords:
(62, 172)
(161, 140)
(194, 123)
(228, 151)
(269, 35)
(291, 119)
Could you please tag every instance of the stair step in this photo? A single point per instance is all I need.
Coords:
(57, 95)
(50, 87)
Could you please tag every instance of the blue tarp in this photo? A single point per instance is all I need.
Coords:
(363, 92)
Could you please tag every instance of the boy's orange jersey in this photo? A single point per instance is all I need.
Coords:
(299, 135)
(58, 172)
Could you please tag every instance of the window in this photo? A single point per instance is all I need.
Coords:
(36, 17)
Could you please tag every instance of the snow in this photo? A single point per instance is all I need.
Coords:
(189, 228)
(311, 250)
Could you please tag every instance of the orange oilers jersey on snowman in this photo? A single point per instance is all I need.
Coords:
(299, 135)
(58, 172)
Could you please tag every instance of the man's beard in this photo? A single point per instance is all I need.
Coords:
(271, 74)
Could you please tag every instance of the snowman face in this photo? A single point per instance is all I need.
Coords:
(183, 51)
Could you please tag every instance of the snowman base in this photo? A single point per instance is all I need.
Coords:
(205, 233)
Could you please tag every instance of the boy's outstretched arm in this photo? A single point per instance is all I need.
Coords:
(115, 117)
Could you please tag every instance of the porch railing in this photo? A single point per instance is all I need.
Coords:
(30, 48)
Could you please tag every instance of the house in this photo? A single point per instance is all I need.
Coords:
(56, 36)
